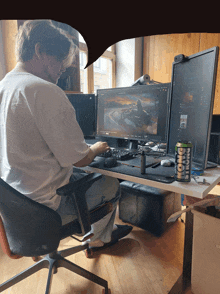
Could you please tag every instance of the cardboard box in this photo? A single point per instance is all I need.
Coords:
(195, 203)
(206, 254)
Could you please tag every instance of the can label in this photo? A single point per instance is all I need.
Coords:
(183, 161)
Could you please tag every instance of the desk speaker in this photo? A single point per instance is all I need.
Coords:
(85, 107)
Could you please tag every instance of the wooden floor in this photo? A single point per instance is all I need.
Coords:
(139, 263)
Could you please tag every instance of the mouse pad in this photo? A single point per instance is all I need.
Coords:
(137, 161)
(123, 168)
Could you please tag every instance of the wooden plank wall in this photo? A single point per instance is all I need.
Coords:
(9, 31)
(160, 50)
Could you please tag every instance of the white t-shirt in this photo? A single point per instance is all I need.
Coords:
(40, 139)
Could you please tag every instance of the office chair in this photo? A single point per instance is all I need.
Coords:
(28, 228)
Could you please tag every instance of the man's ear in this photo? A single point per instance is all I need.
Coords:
(37, 50)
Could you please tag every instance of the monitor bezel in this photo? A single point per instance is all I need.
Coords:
(214, 49)
(152, 138)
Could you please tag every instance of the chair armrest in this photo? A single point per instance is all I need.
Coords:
(86, 181)
(77, 190)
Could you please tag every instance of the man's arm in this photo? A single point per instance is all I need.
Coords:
(95, 150)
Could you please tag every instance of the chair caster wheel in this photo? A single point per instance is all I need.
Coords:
(89, 253)
(36, 258)
(103, 291)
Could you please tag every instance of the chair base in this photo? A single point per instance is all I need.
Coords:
(53, 261)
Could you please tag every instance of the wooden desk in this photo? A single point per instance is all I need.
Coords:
(193, 189)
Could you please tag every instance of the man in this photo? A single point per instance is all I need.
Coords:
(41, 140)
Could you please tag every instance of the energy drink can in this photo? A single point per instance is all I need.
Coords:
(183, 161)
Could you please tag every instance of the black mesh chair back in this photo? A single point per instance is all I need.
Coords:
(32, 229)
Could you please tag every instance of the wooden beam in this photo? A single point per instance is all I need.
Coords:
(90, 79)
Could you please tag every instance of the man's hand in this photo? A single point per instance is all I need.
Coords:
(99, 147)
(95, 149)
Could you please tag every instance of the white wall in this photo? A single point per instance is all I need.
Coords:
(125, 62)
(2, 59)
(129, 61)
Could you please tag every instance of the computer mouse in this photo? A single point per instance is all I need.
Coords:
(110, 162)
(167, 162)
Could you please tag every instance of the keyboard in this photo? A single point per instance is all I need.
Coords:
(119, 154)
(106, 154)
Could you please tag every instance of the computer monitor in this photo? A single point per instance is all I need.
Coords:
(192, 98)
(85, 107)
(134, 114)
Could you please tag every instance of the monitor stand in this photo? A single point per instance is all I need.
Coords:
(127, 144)
(119, 142)
(133, 145)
